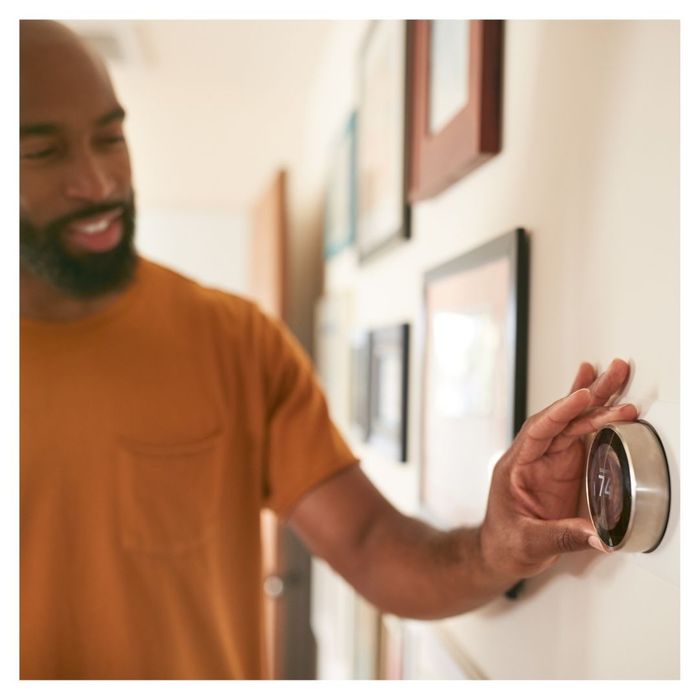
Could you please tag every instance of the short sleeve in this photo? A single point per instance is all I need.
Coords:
(303, 445)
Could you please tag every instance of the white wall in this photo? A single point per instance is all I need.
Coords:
(590, 167)
(210, 247)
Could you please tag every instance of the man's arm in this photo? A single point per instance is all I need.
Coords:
(408, 568)
(400, 564)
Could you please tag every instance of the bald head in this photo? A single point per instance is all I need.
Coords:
(76, 202)
(55, 63)
(44, 34)
(46, 31)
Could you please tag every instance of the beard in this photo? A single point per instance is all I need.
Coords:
(83, 275)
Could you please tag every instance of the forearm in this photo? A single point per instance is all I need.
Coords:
(410, 569)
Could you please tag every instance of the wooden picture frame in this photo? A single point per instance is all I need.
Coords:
(341, 196)
(382, 210)
(388, 393)
(474, 375)
(455, 69)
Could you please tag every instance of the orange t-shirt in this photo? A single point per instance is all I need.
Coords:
(151, 436)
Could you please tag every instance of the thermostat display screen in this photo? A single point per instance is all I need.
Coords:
(609, 487)
(605, 486)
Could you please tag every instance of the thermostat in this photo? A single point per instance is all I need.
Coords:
(628, 486)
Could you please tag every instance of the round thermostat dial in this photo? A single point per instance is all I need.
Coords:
(628, 487)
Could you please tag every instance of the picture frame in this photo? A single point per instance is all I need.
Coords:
(341, 196)
(332, 614)
(475, 316)
(359, 384)
(455, 69)
(388, 393)
(366, 639)
(390, 659)
(382, 209)
(430, 653)
(332, 329)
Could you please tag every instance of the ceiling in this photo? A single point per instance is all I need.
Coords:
(214, 106)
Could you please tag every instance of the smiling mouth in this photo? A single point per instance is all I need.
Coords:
(97, 233)
(95, 224)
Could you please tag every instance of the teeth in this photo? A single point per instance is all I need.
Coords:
(97, 227)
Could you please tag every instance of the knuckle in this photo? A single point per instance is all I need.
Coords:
(567, 541)
(516, 475)
(529, 422)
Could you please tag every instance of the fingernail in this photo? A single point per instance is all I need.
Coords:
(594, 542)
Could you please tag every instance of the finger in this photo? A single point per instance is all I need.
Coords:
(610, 382)
(591, 422)
(542, 428)
(550, 538)
(553, 420)
(584, 377)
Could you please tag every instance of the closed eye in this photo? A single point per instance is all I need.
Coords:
(111, 140)
(40, 154)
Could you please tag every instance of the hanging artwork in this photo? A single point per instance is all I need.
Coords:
(431, 654)
(359, 384)
(341, 204)
(455, 69)
(388, 393)
(332, 318)
(382, 209)
(474, 374)
(390, 661)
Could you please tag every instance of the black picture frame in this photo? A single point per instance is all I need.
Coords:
(388, 392)
(475, 337)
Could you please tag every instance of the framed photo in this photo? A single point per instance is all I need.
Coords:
(332, 622)
(382, 208)
(359, 384)
(456, 87)
(388, 393)
(341, 197)
(332, 315)
(390, 661)
(475, 312)
(431, 654)
(366, 639)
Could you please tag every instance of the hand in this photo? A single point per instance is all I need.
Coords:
(531, 515)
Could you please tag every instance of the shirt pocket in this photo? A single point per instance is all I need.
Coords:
(169, 494)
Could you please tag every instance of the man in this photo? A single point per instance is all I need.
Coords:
(158, 418)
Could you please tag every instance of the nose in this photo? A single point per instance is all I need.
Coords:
(89, 178)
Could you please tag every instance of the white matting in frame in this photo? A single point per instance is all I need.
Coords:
(474, 375)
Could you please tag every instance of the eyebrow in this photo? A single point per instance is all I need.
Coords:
(117, 114)
(49, 128)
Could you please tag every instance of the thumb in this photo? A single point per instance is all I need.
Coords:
(568, 535)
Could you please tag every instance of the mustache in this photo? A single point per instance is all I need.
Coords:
(87, 212)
